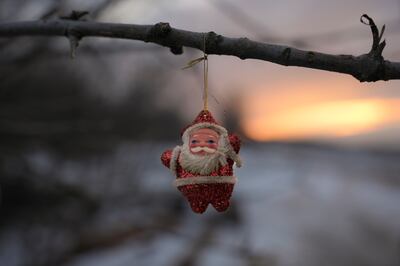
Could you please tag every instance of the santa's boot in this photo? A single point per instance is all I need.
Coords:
(198, 205)
(221, 196)
(197, 196)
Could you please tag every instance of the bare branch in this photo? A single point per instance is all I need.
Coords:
(366, 67)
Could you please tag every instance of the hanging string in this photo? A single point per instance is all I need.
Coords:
(193, 62)
(205, 74)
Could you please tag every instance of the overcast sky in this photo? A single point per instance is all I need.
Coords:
(275, 102)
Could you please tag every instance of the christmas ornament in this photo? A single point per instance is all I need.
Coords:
(203, 164)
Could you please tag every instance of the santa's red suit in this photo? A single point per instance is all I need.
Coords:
(206, 187)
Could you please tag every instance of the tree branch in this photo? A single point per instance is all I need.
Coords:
(366, 67)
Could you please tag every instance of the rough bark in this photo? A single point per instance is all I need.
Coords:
(370, 66)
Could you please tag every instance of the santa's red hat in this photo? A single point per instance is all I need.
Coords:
(204, 120)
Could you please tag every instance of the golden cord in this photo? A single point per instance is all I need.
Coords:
(193, 62)
(205, 74)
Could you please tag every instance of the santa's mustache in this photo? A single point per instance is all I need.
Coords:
(206, 149)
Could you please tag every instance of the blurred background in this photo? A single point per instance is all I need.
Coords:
(80, 176)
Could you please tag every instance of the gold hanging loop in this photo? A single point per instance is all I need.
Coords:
(205, 73)
(193, 62)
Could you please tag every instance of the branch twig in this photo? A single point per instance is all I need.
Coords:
(377, 45)
(366, 67)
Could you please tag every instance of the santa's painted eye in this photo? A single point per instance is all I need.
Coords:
(210, 141)
(194, 141)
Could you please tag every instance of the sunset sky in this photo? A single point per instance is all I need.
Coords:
(276, 102)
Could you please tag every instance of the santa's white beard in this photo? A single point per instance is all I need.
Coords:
(201, 164)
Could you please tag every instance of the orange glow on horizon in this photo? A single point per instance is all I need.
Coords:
(328, 119)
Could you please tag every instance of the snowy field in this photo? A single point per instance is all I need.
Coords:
(293, 205)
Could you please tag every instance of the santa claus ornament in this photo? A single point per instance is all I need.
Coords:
(203, 164)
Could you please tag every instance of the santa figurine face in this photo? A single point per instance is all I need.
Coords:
(203, 141)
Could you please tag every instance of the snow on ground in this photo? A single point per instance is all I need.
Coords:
(293, 205)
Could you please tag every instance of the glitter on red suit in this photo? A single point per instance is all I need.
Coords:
(216, 186)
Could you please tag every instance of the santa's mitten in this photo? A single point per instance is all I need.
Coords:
(166, 158)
